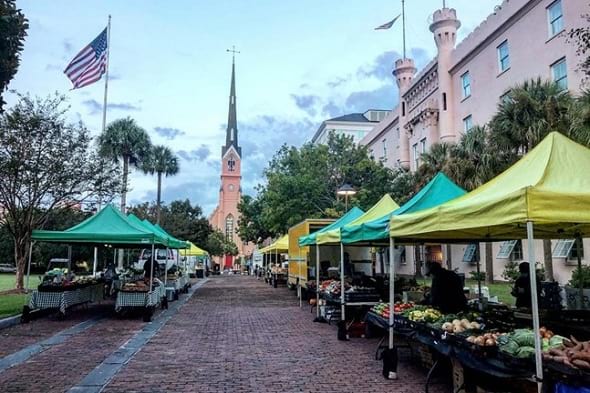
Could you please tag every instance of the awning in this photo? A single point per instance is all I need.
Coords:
(385, 206)
(439, 190)
(108, 226)
(193, 251)
(549, 186)
(352, 215)
(148, 226)
(281, 245)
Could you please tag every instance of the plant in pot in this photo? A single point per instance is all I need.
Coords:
(580, 279)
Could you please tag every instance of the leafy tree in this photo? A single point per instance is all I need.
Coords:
(218, 245)
(45, 163)
(251, 228)
(124, 140)
(160, 161)
(13, 30)
(181, 219)
(581, 37)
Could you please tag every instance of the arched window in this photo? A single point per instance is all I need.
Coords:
(229, 227)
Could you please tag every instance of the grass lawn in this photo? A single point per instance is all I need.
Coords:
(12, 304)
(500, 289)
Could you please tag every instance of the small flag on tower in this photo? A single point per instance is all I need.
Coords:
(90, 63)
(388, 24)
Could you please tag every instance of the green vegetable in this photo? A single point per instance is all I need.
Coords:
(509, 346)
(556, 341)
(525, 339)
(525, 352)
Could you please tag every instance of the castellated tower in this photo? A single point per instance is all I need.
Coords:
(444, 27)
(404, 72)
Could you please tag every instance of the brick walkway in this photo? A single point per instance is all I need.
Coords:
(237, 334)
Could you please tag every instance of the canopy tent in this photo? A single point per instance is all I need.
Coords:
(108, 226)
(150, 228)
(351, 215)
(193, 251)
(280, 245)
(172, 241)
(383, 207)
(439, 190)
(547, 191)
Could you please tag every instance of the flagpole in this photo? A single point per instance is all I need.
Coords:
(403, 25)
(106, 89)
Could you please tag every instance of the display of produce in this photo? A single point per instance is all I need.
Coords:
(426, 314)
(571, 352)
(57, 280)
(521, 342)
(137, 286)
(485, 340)
(460, 326)
(400, 307)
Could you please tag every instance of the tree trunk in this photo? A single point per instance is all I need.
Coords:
(489, 263)
(418, 261)
(159, 198)
(21, 254)
(548, 259)
(449, 257)
(124, 189)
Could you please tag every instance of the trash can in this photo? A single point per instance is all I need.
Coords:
(200, 273)
(170, 292)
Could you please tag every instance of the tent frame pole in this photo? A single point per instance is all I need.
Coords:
(342, 304)
(581, 287)
(391, 289)
(166, 267)
(317, 280)
(69, 259)
(29, 265)
(95, 262)
(535, 305)
(152, 268)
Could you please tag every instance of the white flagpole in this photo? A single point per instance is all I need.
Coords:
(106, 89)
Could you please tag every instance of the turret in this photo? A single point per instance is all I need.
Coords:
(404, 72)
(444, 26)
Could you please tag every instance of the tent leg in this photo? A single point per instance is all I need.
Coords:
(152, 269)
(535, 304)
(581, 289)
(95, 262)
(29, 266)
(317, 281)
(69, 259)
(166, 268)
(479, 282)
(342, 305)
(391, 289)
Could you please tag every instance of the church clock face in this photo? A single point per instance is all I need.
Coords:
(231, 187)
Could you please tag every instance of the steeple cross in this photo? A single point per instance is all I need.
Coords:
(233, 52)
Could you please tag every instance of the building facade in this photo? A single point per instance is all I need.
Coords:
(225, 216)
(462, 86)
(355, 125)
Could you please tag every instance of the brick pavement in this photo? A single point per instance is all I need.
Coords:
(239, 335)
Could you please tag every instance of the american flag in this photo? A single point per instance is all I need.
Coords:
(387, 25)
(90, 63)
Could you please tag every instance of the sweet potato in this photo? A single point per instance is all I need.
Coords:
(568, 363)
(556, 352)
(574, 340)
(585, 356)
(578, 347)
(568, 343)
(581, 364)
(560, 359)
(586, 346)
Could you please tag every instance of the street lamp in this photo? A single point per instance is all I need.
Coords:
(345, 190)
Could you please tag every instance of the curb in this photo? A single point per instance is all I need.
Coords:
(10, 321)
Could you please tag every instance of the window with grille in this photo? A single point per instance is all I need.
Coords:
(506, 249)
(564, 247)
(555, 18)
(503, 56)
(559, 73)
(470, 254)
(466, 84)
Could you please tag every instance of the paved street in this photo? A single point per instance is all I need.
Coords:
(235, 334)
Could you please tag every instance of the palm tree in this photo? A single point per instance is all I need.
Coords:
(124, 140)
(530, 111)
(433, 161)
(161, 161)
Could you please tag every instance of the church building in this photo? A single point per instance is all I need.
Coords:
(225, 216)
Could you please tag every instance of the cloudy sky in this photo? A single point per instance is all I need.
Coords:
(301, 62)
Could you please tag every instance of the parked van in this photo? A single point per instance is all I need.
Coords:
(161, 258)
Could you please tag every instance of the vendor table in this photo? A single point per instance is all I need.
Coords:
(62, 300)
(148, 300)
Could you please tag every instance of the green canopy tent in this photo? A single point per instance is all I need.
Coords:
(546, 190)
(311, 239)
(108, 226)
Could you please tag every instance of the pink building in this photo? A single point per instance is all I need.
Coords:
(225, 216)
(462, 86)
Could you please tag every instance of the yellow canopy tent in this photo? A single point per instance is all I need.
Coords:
(193, 251)
(385, 206)
(280, 245)
(547, 191)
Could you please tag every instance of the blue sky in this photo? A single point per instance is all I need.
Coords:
(301, 61)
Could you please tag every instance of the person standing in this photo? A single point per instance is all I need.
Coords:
(446, 290)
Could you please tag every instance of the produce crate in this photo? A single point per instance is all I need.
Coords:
(425, 355)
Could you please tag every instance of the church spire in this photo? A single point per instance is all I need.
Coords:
(231, 137)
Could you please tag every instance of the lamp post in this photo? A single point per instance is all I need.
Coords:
(345, 190)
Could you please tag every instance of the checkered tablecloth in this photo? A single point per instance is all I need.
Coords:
(140, 299)
(63, 300)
